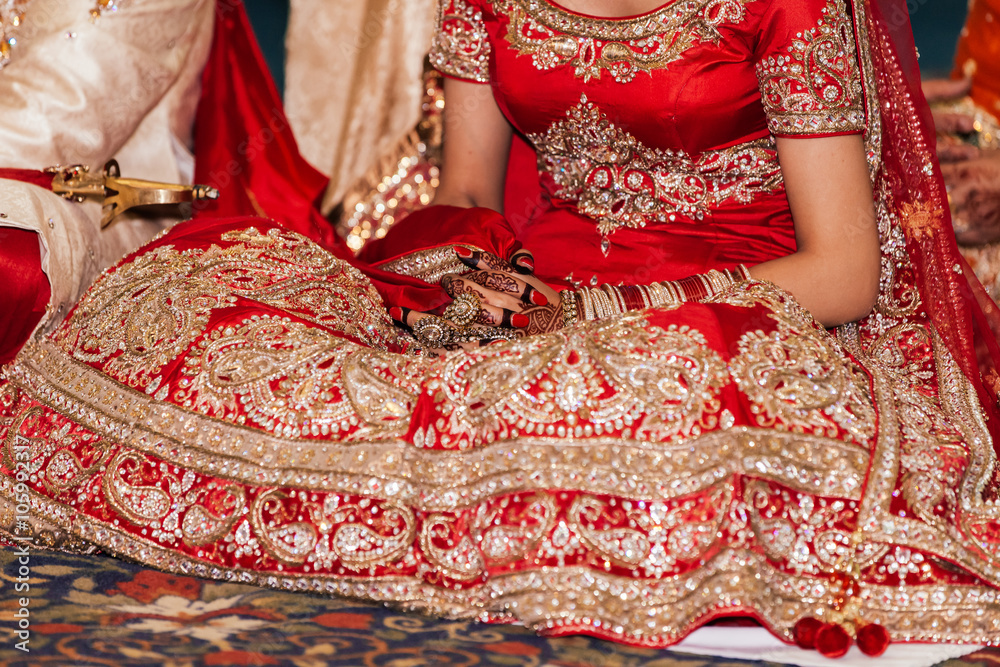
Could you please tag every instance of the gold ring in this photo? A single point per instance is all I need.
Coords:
(434, 332)
(464, 310)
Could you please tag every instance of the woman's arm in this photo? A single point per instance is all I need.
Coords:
(835, 271)
(477, 140)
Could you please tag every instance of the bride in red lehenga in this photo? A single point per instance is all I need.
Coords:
(669, 438)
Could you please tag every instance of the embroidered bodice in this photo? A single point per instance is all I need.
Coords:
(664, 117)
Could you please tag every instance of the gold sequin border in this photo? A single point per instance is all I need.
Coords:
(568, 600)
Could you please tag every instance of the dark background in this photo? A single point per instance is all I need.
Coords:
(936, 24)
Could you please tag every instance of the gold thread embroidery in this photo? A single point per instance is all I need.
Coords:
(144, 314)
(615, 463)
(554, 37)
(614, 605)
(461, 46)
(619, 182)
(815, 88)
(429, 265)
(804, 383)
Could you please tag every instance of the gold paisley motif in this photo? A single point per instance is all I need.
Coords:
(14, 440)
(389, 538)
(506, 537)
(380, 398)
(287, 541)
(202, 525)
(815, 87)
(136, 494)
(65, 470)
(461, 46)
(459, 558)
(799, 379)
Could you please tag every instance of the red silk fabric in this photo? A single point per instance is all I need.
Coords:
(244, 144)
(26, 291)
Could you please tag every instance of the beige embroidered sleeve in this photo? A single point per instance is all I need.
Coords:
(461, 46)
(807, 68)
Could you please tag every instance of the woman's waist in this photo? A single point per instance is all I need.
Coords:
(570, 248)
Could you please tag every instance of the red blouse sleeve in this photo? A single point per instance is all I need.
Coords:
(461, 47)
(807, 68)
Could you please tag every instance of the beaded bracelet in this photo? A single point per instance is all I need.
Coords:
(570, 312)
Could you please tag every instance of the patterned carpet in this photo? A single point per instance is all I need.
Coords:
(96, 610)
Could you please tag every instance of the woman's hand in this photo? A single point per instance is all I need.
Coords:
(511, 303)
(511, 296)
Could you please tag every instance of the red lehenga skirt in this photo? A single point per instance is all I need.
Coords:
(232, 401)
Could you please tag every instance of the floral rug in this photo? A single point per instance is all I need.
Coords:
(97, 610)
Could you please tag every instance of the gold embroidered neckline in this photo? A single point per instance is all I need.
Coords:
(554, 36)
(664, 20)
(642, 17)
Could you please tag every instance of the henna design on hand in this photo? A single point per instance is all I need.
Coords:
(476, 259)
(543, 319)
(498, 282)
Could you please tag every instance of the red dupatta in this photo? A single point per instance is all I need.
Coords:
(913, 207)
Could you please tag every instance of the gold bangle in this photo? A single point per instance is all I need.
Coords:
(595, 303)
(644, 293)
(597, 298)
(588, 306)
(616, 299)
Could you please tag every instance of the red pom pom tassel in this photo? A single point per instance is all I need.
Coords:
(832, 641)
(873, 639)
(805, 631)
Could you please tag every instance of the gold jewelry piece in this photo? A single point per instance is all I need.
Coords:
(464, 310)
(487, 333)
(434, 332)
(76, 183)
